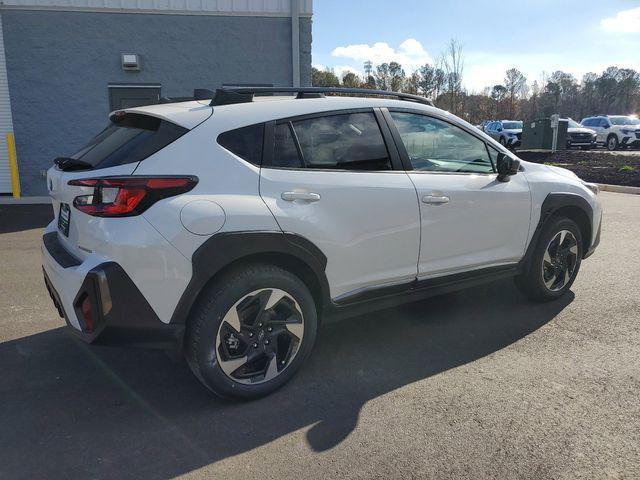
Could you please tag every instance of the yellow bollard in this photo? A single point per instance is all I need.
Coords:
(13, 166)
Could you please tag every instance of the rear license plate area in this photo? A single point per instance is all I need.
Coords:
(64, 219)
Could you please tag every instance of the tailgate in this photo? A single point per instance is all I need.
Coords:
(81, 227)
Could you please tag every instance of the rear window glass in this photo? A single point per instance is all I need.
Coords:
(245, 142)
(128, 138)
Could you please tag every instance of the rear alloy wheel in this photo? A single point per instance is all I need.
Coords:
(554, 262)
(259, 336)
(251, 331)
(612, 143)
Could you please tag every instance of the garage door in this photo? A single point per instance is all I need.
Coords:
(6, 125)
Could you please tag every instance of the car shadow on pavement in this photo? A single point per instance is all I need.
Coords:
(69, 410)
(16, 218)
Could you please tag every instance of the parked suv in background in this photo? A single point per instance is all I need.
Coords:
(228, 229)
(615, 131)
(507, 132)
(579, 136)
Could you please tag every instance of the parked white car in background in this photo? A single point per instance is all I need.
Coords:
(507, 132)
(579, 136)
(614, 131)
(230, 228)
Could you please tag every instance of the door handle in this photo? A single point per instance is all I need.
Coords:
(435, 199)
(304, 196)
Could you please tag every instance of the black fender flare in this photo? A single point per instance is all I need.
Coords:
(551, 204)
(222, 249)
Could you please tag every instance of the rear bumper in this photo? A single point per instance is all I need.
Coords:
(118, 312)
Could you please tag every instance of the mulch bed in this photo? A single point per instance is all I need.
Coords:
(598, 166)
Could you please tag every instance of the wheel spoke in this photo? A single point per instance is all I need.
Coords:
(274, 297)
(563, 235)
(230, 366)
(566, 275)
(232, 318)
(272, 369)
(574, 249)
(547, 258)
(296, 329)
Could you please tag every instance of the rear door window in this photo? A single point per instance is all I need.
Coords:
(344, 141)
(129, 138)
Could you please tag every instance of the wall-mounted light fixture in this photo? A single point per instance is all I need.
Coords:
(130, 62)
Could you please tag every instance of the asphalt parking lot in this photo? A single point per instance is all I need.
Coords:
(477, 384)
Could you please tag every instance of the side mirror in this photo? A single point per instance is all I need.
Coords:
(507, 166)
(605, 126)
(499, 129)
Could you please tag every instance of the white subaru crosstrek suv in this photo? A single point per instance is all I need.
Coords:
(229, 228)
(614, 131)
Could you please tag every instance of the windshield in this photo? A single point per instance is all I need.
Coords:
(512, 125)
(573, 123)
(624, 120)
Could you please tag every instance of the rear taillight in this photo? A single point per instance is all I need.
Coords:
(127, 196)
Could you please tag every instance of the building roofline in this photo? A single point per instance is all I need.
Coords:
(233, 8)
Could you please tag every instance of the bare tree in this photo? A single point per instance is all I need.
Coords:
(453, 65)
(516, 84)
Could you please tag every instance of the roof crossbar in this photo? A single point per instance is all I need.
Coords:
(230, 95)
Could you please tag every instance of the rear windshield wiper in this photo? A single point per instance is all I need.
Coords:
(68, 164)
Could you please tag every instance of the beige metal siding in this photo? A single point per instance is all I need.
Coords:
(274, 8)
(6, 124)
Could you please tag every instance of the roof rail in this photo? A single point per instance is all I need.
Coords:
(231, 95)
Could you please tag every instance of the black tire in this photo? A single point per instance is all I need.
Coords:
(216, 301)
(502, 141)
(531, 283)
(612, 143)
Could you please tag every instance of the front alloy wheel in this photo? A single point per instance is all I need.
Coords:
(259, 336)
(559, 261)
(612, 143)
(554, 262)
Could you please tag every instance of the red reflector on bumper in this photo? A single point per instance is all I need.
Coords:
(87, 316)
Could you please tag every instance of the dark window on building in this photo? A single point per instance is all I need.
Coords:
(245, 142)
(129, 138)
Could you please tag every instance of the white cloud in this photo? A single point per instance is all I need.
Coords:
(626, 21)
(486, 69)
(410, 53)
(340, 70)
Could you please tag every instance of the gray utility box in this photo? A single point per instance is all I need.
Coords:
(538, 135)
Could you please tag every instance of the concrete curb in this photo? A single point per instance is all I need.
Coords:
(25, 201)
(618, 189)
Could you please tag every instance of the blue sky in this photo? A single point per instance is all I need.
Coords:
(533, 36)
